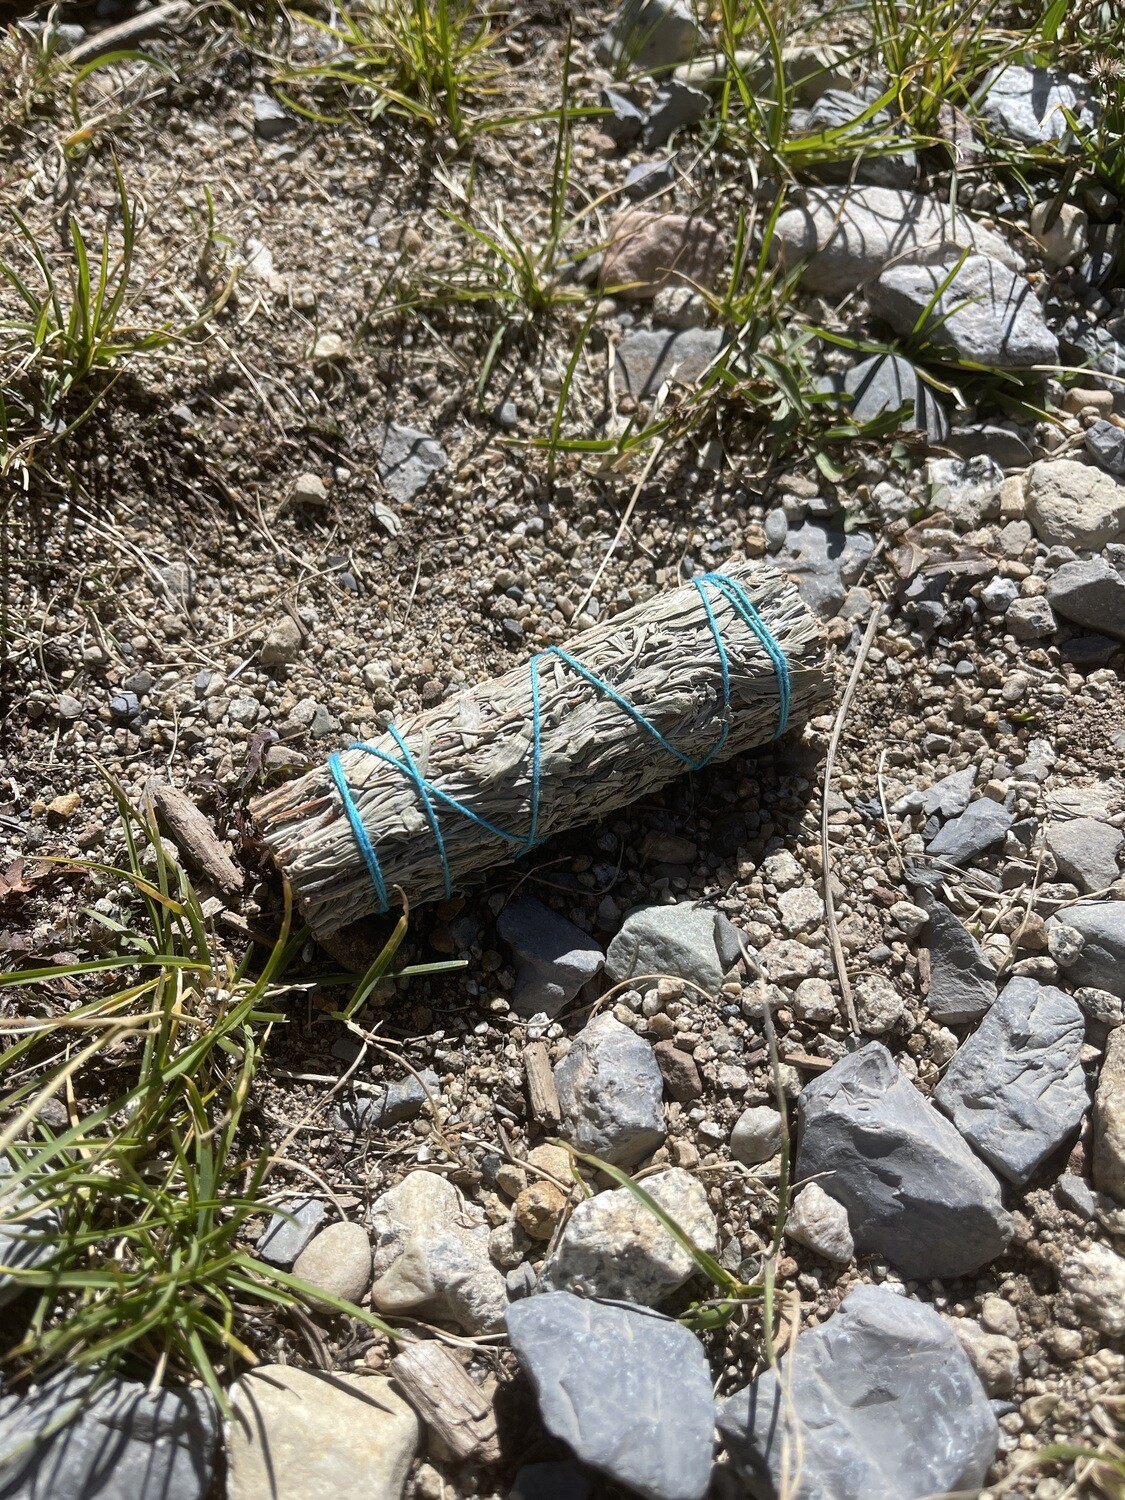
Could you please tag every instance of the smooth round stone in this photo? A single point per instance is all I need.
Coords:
(337, 1261)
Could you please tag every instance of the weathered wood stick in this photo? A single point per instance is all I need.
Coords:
(452, 1407)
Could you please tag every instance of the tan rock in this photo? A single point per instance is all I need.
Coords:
(295, 1435)
(1109, 1119)
(995, 1357)
(551, 1161)
(614, 1246)
(821, 1223)
(338, 1261)
(1071, 504)
(539, 1208)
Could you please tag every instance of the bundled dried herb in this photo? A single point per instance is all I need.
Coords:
(694, 675)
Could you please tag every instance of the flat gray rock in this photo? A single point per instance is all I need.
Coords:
(1016, 1090)
(627, 1390)
(646, 358)
(1026, 104)
(848, 234)
(1090, 594)
(887, 383)
(1085, 851)
(651, 35)
(980, 827)
(554, 958)
(962, 981)
(985, 314)
(682, 941)
(125, 1445)
(408, 460)
(837, 108)
(1003, 444)
(285, 1238)
(28, 1232)
(914, 1191)
(1101, 964)
(887, 1406)
(825, 563)
(611, 1093)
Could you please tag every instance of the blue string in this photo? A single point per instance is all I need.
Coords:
(736, 597)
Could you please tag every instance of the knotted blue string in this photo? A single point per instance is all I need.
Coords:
(428, 793)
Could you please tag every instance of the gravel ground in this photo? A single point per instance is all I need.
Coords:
(224, 588)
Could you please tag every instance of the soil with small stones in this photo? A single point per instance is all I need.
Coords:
(162, 557)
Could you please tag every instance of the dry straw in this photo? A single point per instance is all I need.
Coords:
(422, 810)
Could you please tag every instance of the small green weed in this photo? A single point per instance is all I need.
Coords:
(935, 52)
(32, 73)
(68, 335)
(425, 60)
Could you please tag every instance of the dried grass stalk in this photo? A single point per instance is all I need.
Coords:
(476, 747)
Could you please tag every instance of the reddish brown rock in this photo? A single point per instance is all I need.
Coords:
(650, 250)
(680, 1074)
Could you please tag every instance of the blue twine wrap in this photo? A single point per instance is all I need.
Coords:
(428, 793)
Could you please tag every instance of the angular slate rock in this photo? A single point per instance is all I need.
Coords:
(554, 958)
(1101, 964)
(682, 941)
(980, 828)
(647, 179)
(1105, 443)
(1091, 594)
(402, 1100)
(285, 1238)
(623, 119)
(950, 796)
(888, 383)
(611, 1093)
(887, 1404)
(646, 358)
(124, 1445)
(408, 460)
(914, 1191)
(984, 312)
(627, 1390)
(1016, 1090)
(271, 122)
(962, 981)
